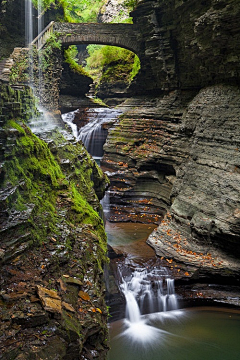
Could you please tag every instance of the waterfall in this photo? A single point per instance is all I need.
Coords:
(29, 36)
(45, 121)
(94, 133)
(150, 296)
(68, 119)
(40, 18)
(148, 291)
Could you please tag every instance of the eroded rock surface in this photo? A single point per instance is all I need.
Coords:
(185, 154)
(176, 150)
(52, 242)
(187, 44)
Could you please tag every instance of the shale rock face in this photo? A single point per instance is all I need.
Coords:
(180, 154)
(140, 153)
(52, 243)
(176, 152)
(188, 44)
(203, 226)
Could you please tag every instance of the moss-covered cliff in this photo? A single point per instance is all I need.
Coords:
(52, 243)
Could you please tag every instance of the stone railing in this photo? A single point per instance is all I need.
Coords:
(44, 35)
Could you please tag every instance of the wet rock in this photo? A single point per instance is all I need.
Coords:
(31, 319)
(50, 300)
(68, 307)
(186, 44)
(71, 280)
(46, 235)
(72, 83)
(181, 150)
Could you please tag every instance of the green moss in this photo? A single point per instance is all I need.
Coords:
(70, 58)
(71, 323)
(31, 168)
(111, 63)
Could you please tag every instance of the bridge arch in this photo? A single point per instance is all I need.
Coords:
(122, 35)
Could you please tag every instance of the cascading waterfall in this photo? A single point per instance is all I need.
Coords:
(40, 18)
(149, 295)
(93, 134)
(148, 291)
(45, 121)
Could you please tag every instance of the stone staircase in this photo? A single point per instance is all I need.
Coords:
(6, 64)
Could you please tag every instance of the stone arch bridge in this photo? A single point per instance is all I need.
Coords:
(123, 35)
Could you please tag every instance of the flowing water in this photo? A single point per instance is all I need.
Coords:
(29, 22)
(45, 122)
(152, 327)
(94, 133)
(199, 334)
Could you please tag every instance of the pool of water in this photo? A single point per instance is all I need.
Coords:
(184, 334)
(130, 238)
(196, 334)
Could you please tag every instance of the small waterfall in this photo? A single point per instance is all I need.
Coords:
(45, 121)
(68, 119)
(40, 18)
(148, 291)
(94, 133)
(150, 297)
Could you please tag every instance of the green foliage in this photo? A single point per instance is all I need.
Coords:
(84, 10)
(136, 67)
(53, 41)
(110, 63)
(71, 58)
(81, 10)
(74, 10)
(131, 4)
(19, 72)
(45, 54)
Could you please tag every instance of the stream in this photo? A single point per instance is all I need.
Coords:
(148, 324)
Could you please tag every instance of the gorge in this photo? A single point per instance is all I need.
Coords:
(172, 159)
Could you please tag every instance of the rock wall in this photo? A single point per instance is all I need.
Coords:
(188, 44)
(112, 11)
(176, 151)
(202, 228)
(52, 242)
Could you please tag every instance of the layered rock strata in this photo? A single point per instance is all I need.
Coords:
(180, 154)
(187, 44)
(179, 146)
(141, 154)
(52, 243)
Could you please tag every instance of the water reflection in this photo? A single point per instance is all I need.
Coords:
(178, 335)
(130, 238)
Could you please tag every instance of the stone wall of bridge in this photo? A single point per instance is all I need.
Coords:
(122, 35)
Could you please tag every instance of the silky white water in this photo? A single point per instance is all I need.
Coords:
(146, 291)
(94, 133)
